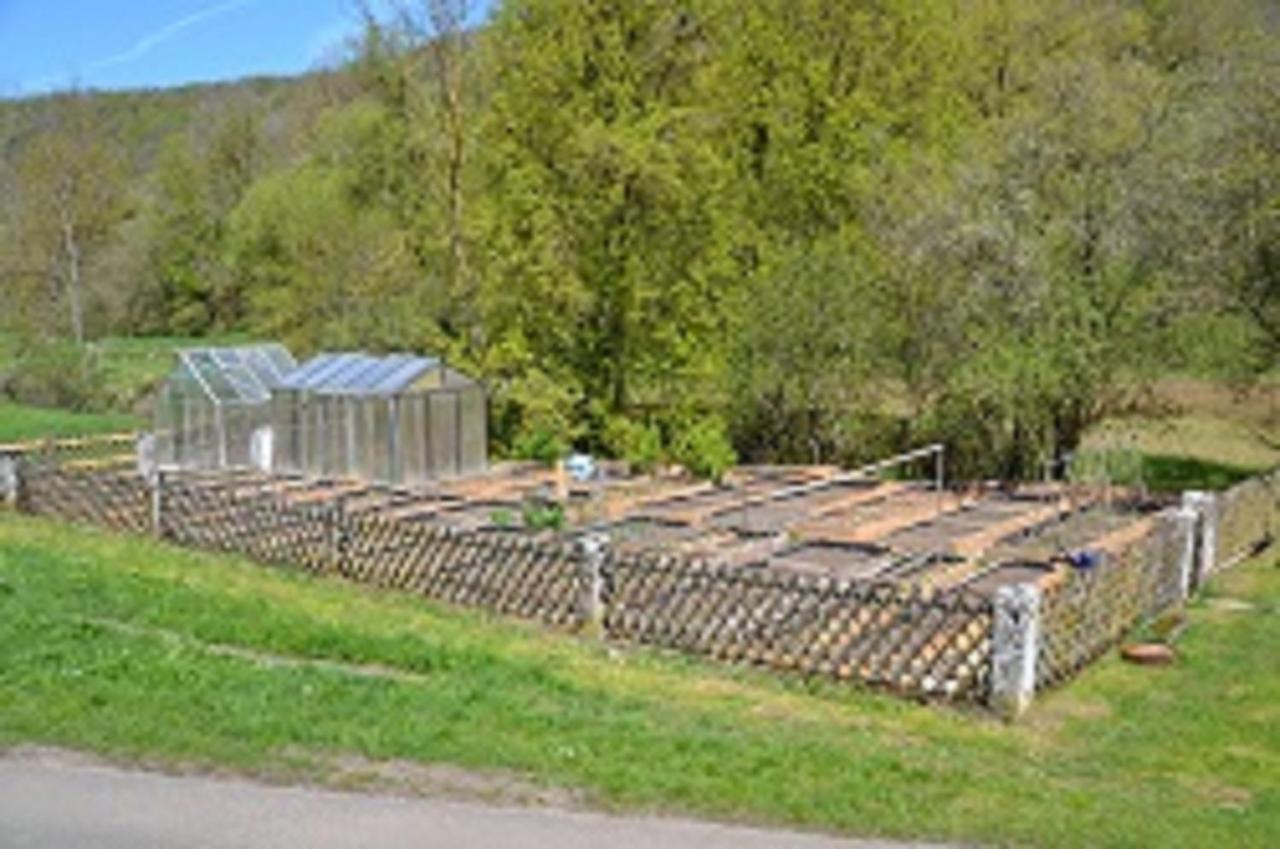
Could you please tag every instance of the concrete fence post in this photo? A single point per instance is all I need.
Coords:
(156, 483)
(145, 454)
(1014, 646)
(335, 518)
(1205, 505)
(10, 479)
(1186, 521)
(594, 549)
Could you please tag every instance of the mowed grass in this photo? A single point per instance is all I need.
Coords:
(123, 647)
(21, 422)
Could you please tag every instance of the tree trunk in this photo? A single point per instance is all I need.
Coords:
(449, 20)
(71, 249)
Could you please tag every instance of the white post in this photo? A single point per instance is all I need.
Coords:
(593, 548)
(147, 462)
(1205, 505)
(1014, 645)
(1185, 520)
(938, 460)
(157, 502)
(9, 479)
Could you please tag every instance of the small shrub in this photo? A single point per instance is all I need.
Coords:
(58, 374)
(638, 443)
(703, 447)
(543, 516)
(541, 444)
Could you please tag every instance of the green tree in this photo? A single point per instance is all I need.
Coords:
(605, 251)
(809, 357)
(318, 269)
(73, 196)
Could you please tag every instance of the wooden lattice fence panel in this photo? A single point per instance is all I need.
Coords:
(110, 497)
(1085, 612)
(513, 575)
(1247, 517)
(909, 640)
(247, 517)
(507, 574)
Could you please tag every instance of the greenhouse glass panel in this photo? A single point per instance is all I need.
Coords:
(473, 430)
(412, 434)
(216, 405)
(443, 410)
(396, 419)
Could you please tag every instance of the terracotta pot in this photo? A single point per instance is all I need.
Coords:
(1148, 654)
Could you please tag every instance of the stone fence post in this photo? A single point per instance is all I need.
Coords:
(1205, 506)
(1186, 522)
(1015, 644)
(156, 484)
(594, 550)
(10, 478)
(149, 470)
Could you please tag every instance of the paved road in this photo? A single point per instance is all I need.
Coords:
(47, 804)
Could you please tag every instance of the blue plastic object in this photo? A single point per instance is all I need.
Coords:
(1085, 560)
(582, 467)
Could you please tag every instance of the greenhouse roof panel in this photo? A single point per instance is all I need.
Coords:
(359, 373)
(314, 372)
(237, 375)
(404, 373)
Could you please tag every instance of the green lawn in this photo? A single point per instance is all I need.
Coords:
(124, 369)
(132, 366)
(128, 370)
(139, 651)
(21, 422)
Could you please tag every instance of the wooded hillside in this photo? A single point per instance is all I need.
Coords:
(786, 229)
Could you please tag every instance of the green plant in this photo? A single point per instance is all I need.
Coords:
(58, 374)
(543, 516)
(638, 443)
(541, 444)
(703, 447)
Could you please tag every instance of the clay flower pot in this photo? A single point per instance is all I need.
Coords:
(1148, 654)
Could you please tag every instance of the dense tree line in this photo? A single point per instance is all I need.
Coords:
(785, 229)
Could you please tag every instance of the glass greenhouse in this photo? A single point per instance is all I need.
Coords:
(214, 410)
(400, 419)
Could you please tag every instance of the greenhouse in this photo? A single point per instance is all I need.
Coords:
(400, 419)
(214, 409)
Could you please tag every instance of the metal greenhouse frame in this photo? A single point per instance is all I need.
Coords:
(401, 419)
(214, 409)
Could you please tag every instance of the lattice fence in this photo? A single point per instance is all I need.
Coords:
(1247, 517)
(909, 640)
(109, 497)
(255, 518)
(1085, 612)
(509, 574)
(247, 516)
(914, 641)
(905, 639)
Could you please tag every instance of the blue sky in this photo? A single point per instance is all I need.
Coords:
(50, 44)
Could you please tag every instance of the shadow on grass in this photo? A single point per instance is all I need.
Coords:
(1166, 473)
